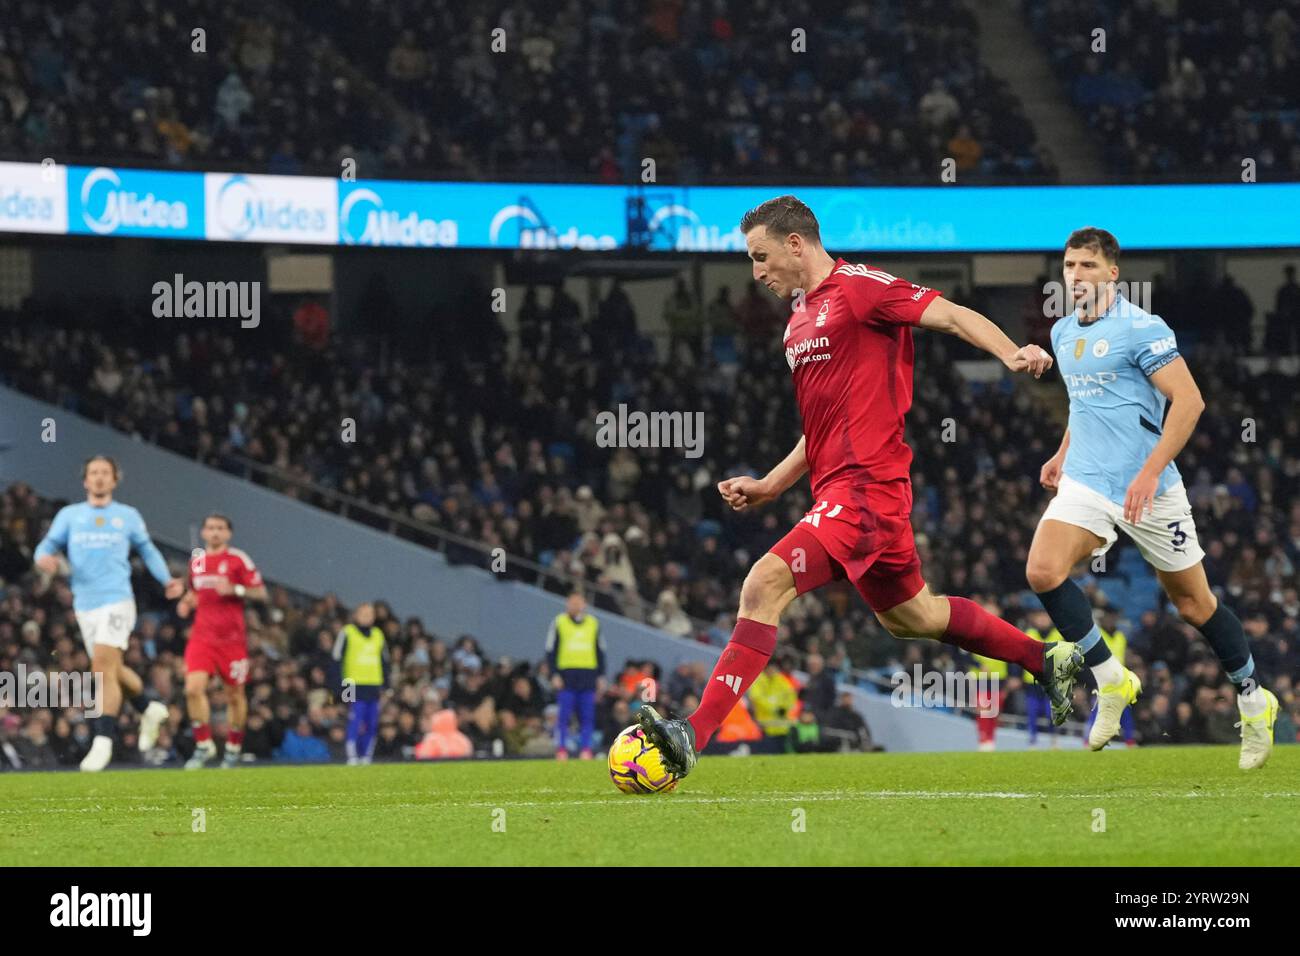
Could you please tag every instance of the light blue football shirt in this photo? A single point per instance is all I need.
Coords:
(1116, 413)
(98, 543)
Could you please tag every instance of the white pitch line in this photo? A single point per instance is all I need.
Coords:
(676, 799)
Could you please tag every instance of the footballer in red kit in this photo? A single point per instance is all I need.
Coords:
(221, 579)
(849, 348)
(853, 414)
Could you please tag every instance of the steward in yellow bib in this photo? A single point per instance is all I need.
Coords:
(576, 652)
(362, 656)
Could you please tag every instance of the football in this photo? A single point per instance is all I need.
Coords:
(636, 765)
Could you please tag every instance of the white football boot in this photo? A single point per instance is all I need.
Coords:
(1111, 701)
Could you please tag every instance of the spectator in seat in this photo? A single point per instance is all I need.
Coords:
(301, 745)
(444, 739)
(805, 736)
(1283, 332)
(818, 694)
(669, 616)
(389, 746)
(845, 719)
(683, 321)
(311, 325)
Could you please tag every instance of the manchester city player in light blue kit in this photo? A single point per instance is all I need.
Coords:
(1115, 468)
(97, 536)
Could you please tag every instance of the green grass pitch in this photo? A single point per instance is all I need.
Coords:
(1161, 806)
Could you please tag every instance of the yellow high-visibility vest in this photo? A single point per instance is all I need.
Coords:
(576, 647)
(363, 657)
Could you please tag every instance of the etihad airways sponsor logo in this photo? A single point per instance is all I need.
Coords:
(1074, 380)
(1089, 385)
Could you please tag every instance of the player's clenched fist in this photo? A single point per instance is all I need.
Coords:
(1050, 476)
(1030, 359)
(743, 492)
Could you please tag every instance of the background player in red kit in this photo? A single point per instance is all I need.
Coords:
(849, 348)
(221, 579)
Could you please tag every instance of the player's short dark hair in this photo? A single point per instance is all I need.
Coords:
(230, 525)
(85, 466)
(1098, 240)
(782, 216)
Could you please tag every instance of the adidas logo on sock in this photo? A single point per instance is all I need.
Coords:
(732, 681)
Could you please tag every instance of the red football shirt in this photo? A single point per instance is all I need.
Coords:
(219, 618)
(850, 352)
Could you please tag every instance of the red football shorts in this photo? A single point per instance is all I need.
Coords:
(226, 659)
(861, 532)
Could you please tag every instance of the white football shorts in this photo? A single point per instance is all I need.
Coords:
(1166, 535)
(110, 625)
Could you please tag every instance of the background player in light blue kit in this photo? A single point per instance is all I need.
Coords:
(97, 536)
(1115, 467)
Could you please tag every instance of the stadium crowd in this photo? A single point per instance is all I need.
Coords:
(1185, 90)
(437, 686)
(252, 92)
(886, 92)
(508, 458)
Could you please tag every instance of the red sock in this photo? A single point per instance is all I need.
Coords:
(742, 660)
(235, 738)
(974, 629)
(202, 733)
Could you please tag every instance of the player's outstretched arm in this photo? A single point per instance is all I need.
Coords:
(153, 560)
(744, 491)
(969, 326)
(1186, 404)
